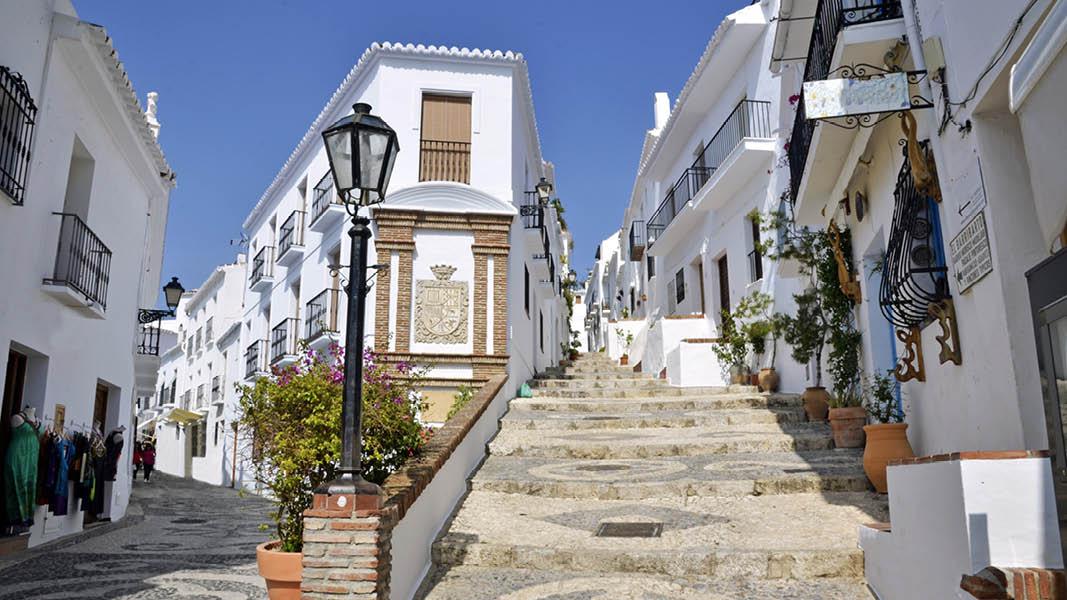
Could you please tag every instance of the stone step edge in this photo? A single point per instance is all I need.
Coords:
(455, 550)
(645, 490)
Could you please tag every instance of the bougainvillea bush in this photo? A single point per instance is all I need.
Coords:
(291, 426)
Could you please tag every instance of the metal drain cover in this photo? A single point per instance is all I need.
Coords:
(645, 530)
(188, 521)
(600, 418)
(602, 468)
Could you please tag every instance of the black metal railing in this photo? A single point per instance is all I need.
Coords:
(831, 16)
(441, 160)
(83, 262)
(749, 119)
(18, 114)
(755, 265)
(291, 233)
(149, 345)
(324, 197)
(216, 389)
(283, 339)
(262, 264)
(637, 240)
(320, 315)
(256, 358)
(531, 211)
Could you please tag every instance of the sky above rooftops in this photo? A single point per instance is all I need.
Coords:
(241, 81)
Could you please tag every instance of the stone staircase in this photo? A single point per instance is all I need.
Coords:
(610, 484)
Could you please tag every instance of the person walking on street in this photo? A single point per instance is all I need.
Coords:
(137, 457)
(148, 459)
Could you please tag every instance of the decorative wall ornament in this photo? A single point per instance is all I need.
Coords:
(850, 286)
(441, 308)
(910, 366)
(923, 170)
(945, 313)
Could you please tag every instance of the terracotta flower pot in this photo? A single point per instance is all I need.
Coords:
(739, 375)
(753, 379)
(281, 570)
(885, 442)
(624, 359)
(847, 424)
(816, 403)
(769, 380)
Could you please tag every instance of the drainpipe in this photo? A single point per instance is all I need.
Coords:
(915, 42)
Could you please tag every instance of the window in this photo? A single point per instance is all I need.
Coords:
(208, 333)
(526, 288)
(17, 117)
(679, 286)
(724, 283)
(445, 145)
(541, 328)
(755, 258)
(198, 438)
(218, 428)
(651, 260)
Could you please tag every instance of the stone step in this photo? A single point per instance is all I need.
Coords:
(798, 536)
(483, 583)
(543, 419)
(591, 376)
(654, 403)
(688, 476)
(665, 441)
(638, 392)
(598, 384)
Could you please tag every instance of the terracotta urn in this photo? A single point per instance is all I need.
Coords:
(280, 570)
(885, 442)
(816, 403)
(624, 359)
(847, 424)
(769, 380)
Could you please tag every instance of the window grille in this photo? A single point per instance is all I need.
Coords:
(18, 115)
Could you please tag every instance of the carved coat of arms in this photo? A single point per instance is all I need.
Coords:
(441, 308)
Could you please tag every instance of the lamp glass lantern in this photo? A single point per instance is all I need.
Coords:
(362, 149)
(544, 191)
(172, 293)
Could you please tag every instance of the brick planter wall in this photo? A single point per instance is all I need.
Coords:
(994, 583)
(347, 538)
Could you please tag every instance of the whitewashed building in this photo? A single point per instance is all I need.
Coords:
(84, 193)
(468, 163)
(601, 302)
(192, 415)
(957, 215)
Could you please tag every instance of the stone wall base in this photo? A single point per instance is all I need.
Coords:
(347, 548)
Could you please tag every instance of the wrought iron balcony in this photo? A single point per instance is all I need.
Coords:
(831, 17)
(18, 114)
(531, 211)
(321, 315)
(441, 160)
(83, 262)
(256, 359)
(263, 267)
(291, 236)
(216, 390)
(283, 340)
(637, 240)
(149, 345)
(749, 119)
(326, 205)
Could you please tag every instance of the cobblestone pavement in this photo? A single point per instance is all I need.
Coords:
(180, 539)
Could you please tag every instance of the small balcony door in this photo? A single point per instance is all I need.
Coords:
(445, 144)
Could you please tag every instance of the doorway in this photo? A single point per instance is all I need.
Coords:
(100, 405)
(14, 384)
(724, 283)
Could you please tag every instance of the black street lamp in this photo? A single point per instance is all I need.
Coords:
(172, 294)
(362, 149)
(544, 191)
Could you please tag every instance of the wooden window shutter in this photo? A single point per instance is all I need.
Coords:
(446, 138)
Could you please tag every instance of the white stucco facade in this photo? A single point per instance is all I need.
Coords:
(68, 315)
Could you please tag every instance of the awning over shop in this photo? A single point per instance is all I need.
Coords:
(792, 33)
(143, 425)
(181, 416)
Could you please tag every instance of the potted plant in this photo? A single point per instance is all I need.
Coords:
(848, 417)
(760, 323)
(626, 339)
(887, 437)
(293, 443)
(731, 349)
(575, 346)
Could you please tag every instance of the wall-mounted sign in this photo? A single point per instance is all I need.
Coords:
(59, 418)
(971, 258)
(968, 188)
(831, 98)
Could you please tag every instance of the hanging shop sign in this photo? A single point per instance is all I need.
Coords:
(844, 97)
(971, 257)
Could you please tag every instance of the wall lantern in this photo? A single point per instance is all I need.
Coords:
(544, 191)
(362, 149)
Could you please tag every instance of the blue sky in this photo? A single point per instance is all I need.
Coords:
(241, 81)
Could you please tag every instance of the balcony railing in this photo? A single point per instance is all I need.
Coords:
(324, 197)
(216, 389)
(18, 114)
(83, 262)
(637, 240)
(749, 119)
(291, 233)
(256, 358)
(283, 339)
(831, 16)
(200, 396)
(531, 211)
(149, 345)
(187, 398)
(321, 314)
(263, 264)
(444, 161)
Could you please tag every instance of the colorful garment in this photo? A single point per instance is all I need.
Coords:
(59, 475)
(20, 474)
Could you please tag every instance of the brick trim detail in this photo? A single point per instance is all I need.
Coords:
(978, 455)
(995, 583)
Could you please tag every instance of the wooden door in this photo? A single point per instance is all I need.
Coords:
(724, 283)
(100, 408)
(700, 279)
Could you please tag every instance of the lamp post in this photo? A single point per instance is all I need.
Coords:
(362, 149)
(172, 295)
(544, 191)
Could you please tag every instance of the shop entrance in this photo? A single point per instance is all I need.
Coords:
(14, 384)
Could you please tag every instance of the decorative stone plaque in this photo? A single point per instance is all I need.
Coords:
(441, 308)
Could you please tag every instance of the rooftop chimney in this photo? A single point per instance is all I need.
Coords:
(662, 109)
(150, 114)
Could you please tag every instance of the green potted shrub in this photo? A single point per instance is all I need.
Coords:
(292, 441)
(575, 346)
(760, 322)
(731, 348)
(848, 417)
(626, 339)
(887, 436)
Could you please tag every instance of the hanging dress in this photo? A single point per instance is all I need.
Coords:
(20, 474)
